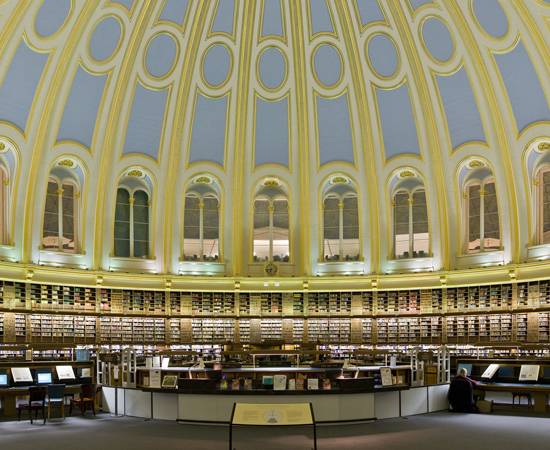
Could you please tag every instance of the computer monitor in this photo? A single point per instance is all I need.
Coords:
(466, 366)
(44, 378)
(3, 379)
(506, 372)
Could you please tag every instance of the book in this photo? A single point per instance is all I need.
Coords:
(292, 384)
(235, 384)
(247, 384)
(300, 381)
(386, 376)
(327, 385)
(490, 371)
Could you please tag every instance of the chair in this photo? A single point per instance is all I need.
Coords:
(36, 402)
(86, 399)
(56, 397)
(519, 396)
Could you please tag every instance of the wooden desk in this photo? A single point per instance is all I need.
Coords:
(9, 396)
(538, 391)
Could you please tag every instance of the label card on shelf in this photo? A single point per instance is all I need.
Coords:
(529, 372)
(490, 371)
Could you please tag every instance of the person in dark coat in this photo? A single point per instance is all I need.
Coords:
(461, 393)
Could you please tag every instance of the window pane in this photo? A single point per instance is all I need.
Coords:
(50, 237)
(546, 207)
(281, 249)
(421, 238)
(401, 224)
(492, 226)
(122, 223)
(261, 230)
(141, 224)
(350, 243)
(191, 249)
(474, 204)
(191, 219)
(211, 218)
(331, 218)
(68, 217)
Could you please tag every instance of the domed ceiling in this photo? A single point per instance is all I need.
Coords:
(244, 93)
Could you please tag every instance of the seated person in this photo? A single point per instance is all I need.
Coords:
(461, 393)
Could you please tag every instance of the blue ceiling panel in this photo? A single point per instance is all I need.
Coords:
(174, 11)
(463, 120)
(105, 39)
(334, 130)
(437, 39)
(208, 136)
(79, 117)
(523, 85)
(271, 132)
(397, 121)
(491, 17)
(161, 54)
(146, 122)
(369, 11)
(19, 85)
(51, 16)
(225, 14)
(320, 16)
(272, 22)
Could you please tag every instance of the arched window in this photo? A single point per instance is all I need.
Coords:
(60, 213)
(201, 222)
(542, 183)
(4, 195)
(132, 223)
(410, 222)
(340, 221)
(271, 225)
(482, 219)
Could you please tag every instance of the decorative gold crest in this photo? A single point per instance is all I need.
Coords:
(135, 173)
(271, 269)
(66, 163)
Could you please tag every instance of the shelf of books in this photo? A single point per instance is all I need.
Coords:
(490, 314)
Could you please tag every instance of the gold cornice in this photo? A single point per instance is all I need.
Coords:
(174, 153)
(243, 81)
(366, 133)
(298, 39)
(44, 127)
(434, 147)
(472, 277)
(502, 141)
(108, 151)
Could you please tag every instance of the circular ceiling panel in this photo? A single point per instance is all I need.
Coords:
(382, 55)
(217, 63)
(328, 65)
(272, 68)
(437, 39)
(161, 55)
(51, 16)
(105, 39)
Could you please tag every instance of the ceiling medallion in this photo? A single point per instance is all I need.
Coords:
(271, 182)
(475, 163)
(203, 179)
(407, 174)
(271, 269)
(135, 173)
(543, 146)
(66, 163)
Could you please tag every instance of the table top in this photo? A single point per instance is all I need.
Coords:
(513, 387)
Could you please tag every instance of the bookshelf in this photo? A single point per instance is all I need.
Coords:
(512, 313)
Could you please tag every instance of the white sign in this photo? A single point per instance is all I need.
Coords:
(154, 379)
(65, 372)
(21, 375)
(529, 372)
(272, 414)
(385, 376)
(279, 382)
(490, 371)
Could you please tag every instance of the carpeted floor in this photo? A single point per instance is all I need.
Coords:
(438, 431)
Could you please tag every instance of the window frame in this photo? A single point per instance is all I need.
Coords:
(60, 213)
(131, 220)
(201, 197)
(410, 200)
(490, 179)
(330, 194)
